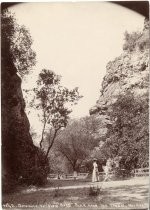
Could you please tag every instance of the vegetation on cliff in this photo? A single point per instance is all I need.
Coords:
(124, 100)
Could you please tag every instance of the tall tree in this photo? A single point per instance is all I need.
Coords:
(53, 100)
(76, 141)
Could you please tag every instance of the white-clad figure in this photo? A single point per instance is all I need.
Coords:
(95, 176)
(107, 169)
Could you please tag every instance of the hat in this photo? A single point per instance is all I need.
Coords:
(94, 159)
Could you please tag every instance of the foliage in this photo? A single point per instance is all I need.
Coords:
(23, 163)
(16, 44)
(30, 167)
(131, 40)
(94, 191)
(137, 40)
(37, 175)
(53, 100)
(143, 42)
(57, 192)
(128, 136)
(57, 162)
(76, 141)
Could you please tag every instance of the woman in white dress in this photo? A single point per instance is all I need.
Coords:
(95, 176)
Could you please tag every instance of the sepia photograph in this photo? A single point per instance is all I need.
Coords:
(75, 105)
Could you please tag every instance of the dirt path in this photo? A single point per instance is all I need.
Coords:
(110, 184)
(125, 194)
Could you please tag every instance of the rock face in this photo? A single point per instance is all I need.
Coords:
(20, 158)
(129, 71)
(123, 106)
(22, 161)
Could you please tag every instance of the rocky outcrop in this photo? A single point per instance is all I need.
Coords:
(129, 71)
(21, 160)
(124, 103)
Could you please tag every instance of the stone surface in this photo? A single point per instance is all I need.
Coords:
(129, 71)
(20, 157)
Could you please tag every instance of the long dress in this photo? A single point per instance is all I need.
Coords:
(95, 172)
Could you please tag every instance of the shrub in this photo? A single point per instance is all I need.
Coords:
(94, 191)
(122, 173)
(56, 192)
(35, 171)
(131, 41)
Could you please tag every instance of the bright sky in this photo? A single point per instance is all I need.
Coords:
(76, 40)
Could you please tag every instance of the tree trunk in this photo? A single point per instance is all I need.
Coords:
(74, 165)
(50, 146)
(42, 134)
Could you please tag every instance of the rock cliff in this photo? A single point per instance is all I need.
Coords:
(123, 105)
(22, 161)
(129, 71)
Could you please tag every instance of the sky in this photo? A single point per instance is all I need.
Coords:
(76, 40)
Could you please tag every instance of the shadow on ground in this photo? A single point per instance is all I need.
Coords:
(110, 197)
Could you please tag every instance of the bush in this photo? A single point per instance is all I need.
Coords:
(94, 191)
(57, 192)
(122, 173)
(35, 171)
(131, 41)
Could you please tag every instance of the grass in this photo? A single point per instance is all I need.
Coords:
(61, 183)
(135, 195)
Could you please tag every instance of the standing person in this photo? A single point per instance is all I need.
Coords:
(107, 169)
(95, 175)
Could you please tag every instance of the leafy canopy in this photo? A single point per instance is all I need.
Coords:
(131, 40)
(54, 101)
(77, 140)
(128, 136)
(16, 44)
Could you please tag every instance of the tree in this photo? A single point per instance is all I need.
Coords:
(16, 44)
(128, 136)
(53, 100)
(76, 141)
(137, 40)
(131, 40)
